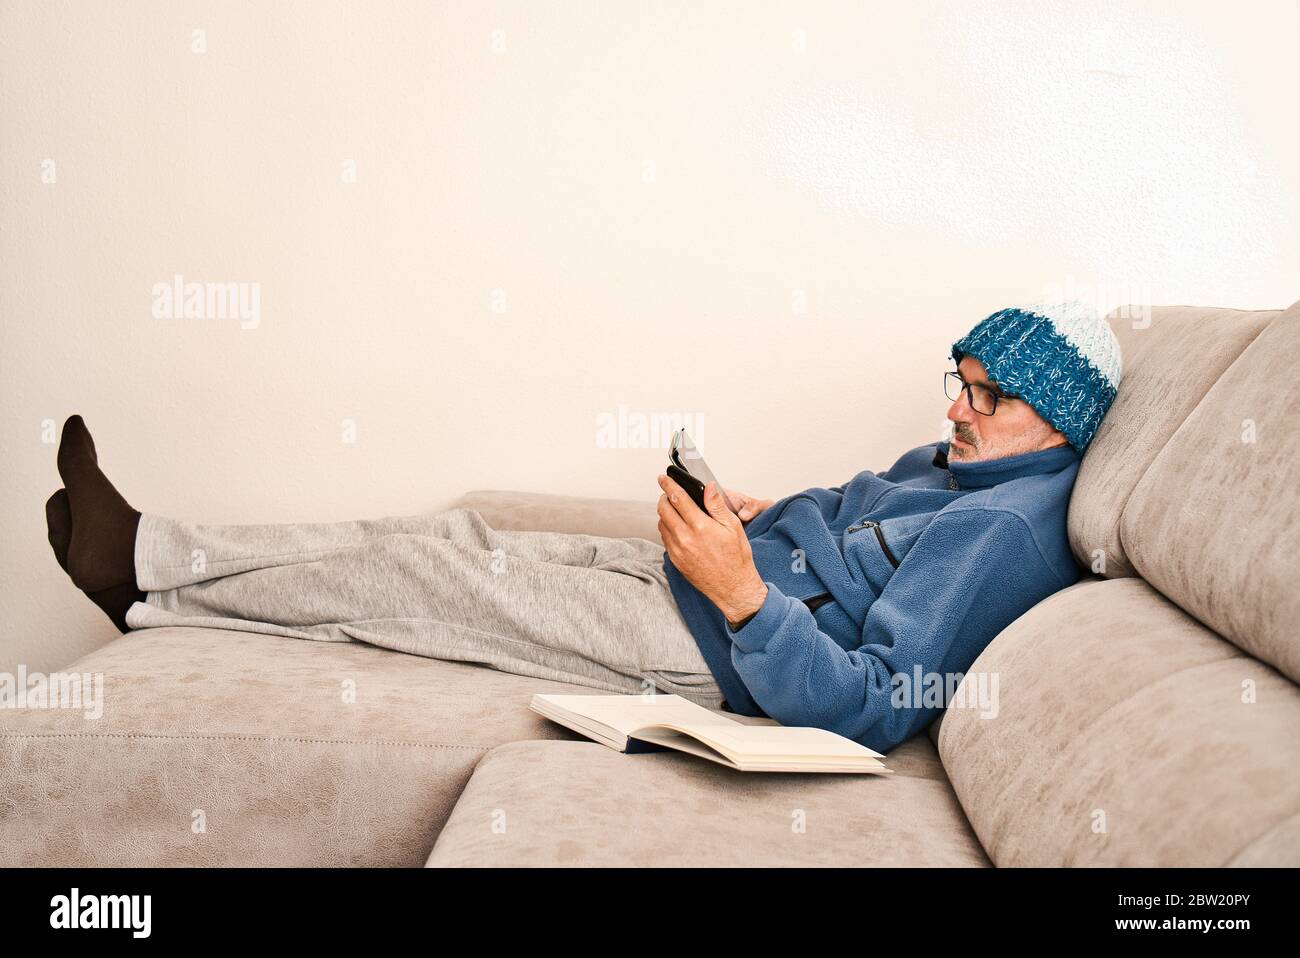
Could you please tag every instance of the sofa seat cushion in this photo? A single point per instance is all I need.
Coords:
(582, 804)
(223, 748)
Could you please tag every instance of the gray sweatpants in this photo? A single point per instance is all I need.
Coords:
(590, 610)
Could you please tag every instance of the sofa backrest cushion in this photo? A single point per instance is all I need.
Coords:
(548, 512)
(1171, 357)
(1125, 733)
(1214, 524)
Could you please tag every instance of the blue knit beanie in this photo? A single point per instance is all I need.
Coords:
(1062, 359)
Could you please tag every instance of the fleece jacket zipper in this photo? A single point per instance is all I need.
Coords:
(817, 601)
(880, 535)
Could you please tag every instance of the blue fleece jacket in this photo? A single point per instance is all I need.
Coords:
(921, 565)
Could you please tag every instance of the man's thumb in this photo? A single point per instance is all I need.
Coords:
(713, 499)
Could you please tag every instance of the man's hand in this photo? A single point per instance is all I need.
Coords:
(748, 505)
(711, 550)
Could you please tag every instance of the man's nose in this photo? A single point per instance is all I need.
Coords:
(960, 410)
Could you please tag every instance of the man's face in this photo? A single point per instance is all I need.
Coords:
(1014, 428)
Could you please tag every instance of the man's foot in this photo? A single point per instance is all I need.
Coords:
(58, 526)
(101, 552)
(113, 601)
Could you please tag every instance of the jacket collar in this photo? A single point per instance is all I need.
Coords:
(991, 472)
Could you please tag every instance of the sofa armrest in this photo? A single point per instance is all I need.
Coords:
(546, 512)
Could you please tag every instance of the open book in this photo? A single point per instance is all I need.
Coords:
(652, 723)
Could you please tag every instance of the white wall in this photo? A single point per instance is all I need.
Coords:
(655, 188)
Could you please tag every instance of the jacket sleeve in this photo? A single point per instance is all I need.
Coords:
(968, 576)
(828, 503)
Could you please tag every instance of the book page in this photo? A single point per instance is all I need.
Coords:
(754, 761)
(627, 713)
(781, 742)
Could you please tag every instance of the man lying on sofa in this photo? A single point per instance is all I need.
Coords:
(809, 609)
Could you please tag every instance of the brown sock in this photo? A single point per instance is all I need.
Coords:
(113, 601)
(101, 553)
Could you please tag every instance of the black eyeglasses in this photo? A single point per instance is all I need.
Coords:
(983, 399)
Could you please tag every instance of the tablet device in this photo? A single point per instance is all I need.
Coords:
(689, 470)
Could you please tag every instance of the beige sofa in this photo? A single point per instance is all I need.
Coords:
(1148, 715)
